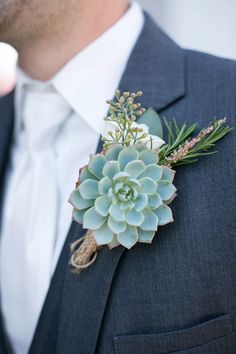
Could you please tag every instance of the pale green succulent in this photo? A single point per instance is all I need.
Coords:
(123, 195)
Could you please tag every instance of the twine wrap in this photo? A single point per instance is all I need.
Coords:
(85, 251)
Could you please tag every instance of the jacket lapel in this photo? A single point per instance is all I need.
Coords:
(6, 129)
(83, 303)
(156, 66)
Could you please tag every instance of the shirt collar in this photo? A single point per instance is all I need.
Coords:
(92, 76)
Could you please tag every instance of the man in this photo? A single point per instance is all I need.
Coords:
(177, 294)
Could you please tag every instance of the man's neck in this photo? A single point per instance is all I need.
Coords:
(43, 58)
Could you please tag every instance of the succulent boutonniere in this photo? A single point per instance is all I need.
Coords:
(123, 194)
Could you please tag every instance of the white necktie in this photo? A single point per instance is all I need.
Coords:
(26, 266)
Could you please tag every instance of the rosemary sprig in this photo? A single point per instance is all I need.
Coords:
(183, 149)
(176, 137)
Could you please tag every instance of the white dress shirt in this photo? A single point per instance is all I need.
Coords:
(85, 83)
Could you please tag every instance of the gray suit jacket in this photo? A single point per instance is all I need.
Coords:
(177, 295)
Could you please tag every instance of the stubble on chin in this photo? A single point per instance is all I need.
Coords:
(9, 11)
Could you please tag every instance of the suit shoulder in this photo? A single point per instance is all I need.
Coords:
(209, 58)
(209, 67)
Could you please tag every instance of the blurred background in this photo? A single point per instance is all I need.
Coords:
(205, 25)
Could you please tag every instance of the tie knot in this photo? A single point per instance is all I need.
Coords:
(44, 112)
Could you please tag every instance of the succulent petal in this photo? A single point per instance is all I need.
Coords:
(165, 189)
(167, 202)
(164, 215)
(150, 222)
(148, 157)
(135, 194)
(129, 237)
(96, 165)
(141, 202)
(118, 186)
(85, 174)
(116, 212)
(113, 152)
(92, 220)
(111, 168)
(134, 183)
(114, 243)
(148, 186)
(78, 202)
(78, 215)
(134, 217)
(89, 189)
(145, 236)
(120, 176)
(116, 226)
(126, 155)
(102, 205)
(153, 171)
(103, 235)
(127, 205)
(154, 201)
(135, 168)
(104, 185)
(168, 174)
